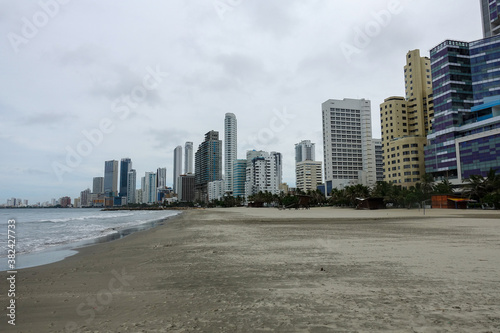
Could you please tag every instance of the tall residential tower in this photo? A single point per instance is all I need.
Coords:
(207, 164)
(188, 158)
(111, 178)
(405, 123)
(349, 155)
(230, 150)
(177, 166)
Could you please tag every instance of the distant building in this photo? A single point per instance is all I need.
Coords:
(111, 178)
(308, 172)
(149, 189)
(98, 185)
(131, 187)
(208, 164)
(490, 17)
(125, 167)
(177, 166)
(308, 175)
(161, 178)
(465, 137)
(379, 159)
(347, 137)
(239, 178)
(188, 158)
(138, 196)
(230, 149)
(216, 190)
(263, 172)
(85, 198)
(305, 151)
(186, 188)
(65, 202)
(405, 124)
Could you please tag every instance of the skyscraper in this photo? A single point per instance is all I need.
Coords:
(177, 165)
(405, 124)
(131, 186)
(149, 188)
(379, 159)
(188, 158)
(347, 138)
(491, 17)
(239, 177)
(186, 188)
(161, 178)
(307, 171)
(208, 164)
(125, 167)
(465, 138)
(305, 151)
(98, 185)
(111, 178)
(230, 149)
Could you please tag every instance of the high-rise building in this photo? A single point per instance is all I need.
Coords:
(186, 188)
(239, 178)
(230, 149)
(405, 124)
(207, 164)
(125, 167)
(308, 175)
(216, 190)
(188, 158)
(491, 17)
(379, 159)
(347, 139)
(177, 165)
(305, 151)
(161, 178)
(131, 187)
(111, 178)
(263, 172)
(85, 198)
(465, 137)
(149, 189)
(98, 185)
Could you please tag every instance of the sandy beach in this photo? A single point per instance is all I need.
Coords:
(268, 270)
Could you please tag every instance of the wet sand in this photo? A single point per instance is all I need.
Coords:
(266, 270)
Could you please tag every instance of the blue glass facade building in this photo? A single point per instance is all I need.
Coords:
(465, 137)
(491, 17)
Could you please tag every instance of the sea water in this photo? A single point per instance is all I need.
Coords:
(51, 234)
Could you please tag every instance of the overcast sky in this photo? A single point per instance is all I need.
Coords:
(142, 77)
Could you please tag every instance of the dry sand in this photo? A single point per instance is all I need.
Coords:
(266, 270)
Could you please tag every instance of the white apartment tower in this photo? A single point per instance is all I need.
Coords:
(230, 150)
(177, 165)
(349, 155)
(263, 172)
(161, 178)
(188, 158)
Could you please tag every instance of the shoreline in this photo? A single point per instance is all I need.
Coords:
(61, 252)
(245, 269)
